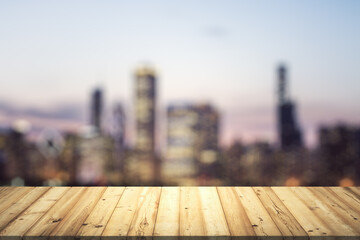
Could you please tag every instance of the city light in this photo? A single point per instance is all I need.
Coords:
(180, 93)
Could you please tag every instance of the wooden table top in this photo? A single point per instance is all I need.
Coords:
(179, 212)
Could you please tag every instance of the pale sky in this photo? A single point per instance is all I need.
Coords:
(53, 53)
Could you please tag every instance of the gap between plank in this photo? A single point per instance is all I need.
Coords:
(26, 207)
(227, 223)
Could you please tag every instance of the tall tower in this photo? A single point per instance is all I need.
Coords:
(96, 109)
(145, 108)
(143, 166)
(283, 94)
(288, 129)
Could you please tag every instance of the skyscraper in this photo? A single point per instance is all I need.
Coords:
(206, 146)
(192, 142)
(96, 109)
(182, 124)
(143, 166)
(288, 129)
(145, 108)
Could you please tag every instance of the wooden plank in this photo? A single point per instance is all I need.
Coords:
(355, 190)
(167, 220)
(201, 213)
(260, 219)
(13, 194)
(30, 216)
(95, 223)
(6, 191)
(191, 217)
(48, 222)
(311, 222)
(72, 222)
(176, 213)
(282, 217)
(324, 212)
(123, 214)
(334, 204)
(237, 219)
(215, 221)
(20, 205)
(3, 190)
(143, 223)
(347, 196)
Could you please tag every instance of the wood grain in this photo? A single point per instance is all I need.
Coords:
(46, 224)
(356, 190)
(120, 221)
(179, 213)
(260, 219)
(201, 213)
(237, 219)
(4, 190)
(95, 223)
(279, 213)
(72, 222)
(347, 196)
(168, 217)
(19, 206)
(12, 195)
(143, 222)
(310, 222)
(322, 210)
(31, 215)
(341, 209)
(191, 217)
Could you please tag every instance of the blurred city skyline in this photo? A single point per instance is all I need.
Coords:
(53, 54)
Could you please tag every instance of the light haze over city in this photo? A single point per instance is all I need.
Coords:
(53, 53)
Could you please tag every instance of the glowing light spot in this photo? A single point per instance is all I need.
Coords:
(292, 182)
(346, 182)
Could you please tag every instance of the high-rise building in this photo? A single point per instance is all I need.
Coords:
(192, 143)
(95, 160)
(96, 109)
(145, 109)
(182, 124)
(207, 141)
(18, 164)
(339, 149)
(3, 136)
(254, 164)
(142, 167)
(119, 137)
(289, 132)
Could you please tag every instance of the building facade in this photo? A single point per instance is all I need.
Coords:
(192, 143)
(180, 164)
(145, 109)
(96, 109)
(339, 153)
(143, 166)
(289, 132)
